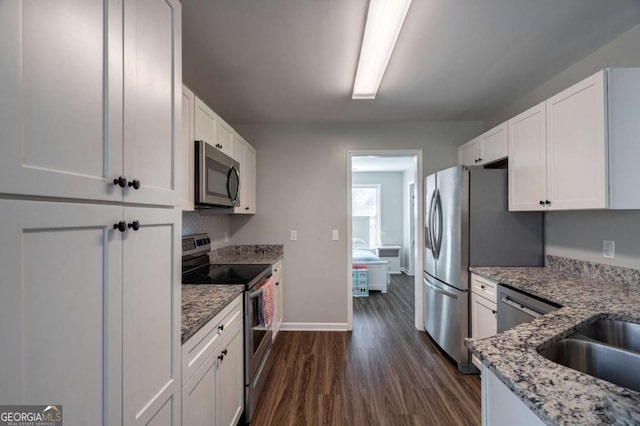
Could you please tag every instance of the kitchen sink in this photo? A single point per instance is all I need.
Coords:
(578, 352)
(621, 334)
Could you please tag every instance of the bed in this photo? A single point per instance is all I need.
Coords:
(379, 277)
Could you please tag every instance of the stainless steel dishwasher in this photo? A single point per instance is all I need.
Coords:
(515, 307)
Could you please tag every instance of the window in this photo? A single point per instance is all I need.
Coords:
(365, 212)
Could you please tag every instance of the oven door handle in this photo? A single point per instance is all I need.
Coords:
(255, 294)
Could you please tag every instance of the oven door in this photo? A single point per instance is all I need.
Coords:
(217, 177)
(257, 338)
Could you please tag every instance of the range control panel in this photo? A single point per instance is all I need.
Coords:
(195, 245)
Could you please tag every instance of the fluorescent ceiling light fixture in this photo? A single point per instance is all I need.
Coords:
(384, 22)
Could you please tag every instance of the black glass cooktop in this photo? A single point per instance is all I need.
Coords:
(246, 274)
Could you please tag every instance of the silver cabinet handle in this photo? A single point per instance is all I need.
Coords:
(520, 307)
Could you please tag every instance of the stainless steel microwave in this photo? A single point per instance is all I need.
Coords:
(217, 182)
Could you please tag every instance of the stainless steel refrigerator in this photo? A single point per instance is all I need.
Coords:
(468, 224)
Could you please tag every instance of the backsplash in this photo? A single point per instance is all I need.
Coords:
(216, 225)
(600, 271)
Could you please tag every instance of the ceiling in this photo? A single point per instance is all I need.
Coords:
(371, 163)
(294, 61)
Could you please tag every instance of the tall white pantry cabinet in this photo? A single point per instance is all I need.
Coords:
(89, 257)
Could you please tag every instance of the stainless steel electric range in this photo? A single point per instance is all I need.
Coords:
(196, 269)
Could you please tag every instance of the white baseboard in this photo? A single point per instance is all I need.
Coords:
(406, 272)
(313, 326)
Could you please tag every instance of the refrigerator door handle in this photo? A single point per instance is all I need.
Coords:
(430, 232)
(438, 207)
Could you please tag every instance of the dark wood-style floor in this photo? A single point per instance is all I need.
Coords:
(385, 372)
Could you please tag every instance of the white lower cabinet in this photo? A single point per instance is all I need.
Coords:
(501, 407)
(484, 309)
(89, 315)
(278, 314)
(230, 389)
(213, 370)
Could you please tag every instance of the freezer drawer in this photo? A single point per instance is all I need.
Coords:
(447, 319)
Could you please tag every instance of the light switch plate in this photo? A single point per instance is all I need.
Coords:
(293, 235)
(608, 249)
(335, 236)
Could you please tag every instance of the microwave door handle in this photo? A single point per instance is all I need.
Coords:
(201, 167)
(233, 197)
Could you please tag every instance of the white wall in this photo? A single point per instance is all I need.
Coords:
(579, 235)
(390, 203)
(302, 185)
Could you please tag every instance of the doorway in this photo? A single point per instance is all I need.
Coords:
(384, 218)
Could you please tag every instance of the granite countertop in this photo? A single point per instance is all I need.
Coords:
(201, 302)
(557, 394)
(243, 254)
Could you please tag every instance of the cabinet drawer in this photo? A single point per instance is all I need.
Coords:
(484, 287)
(201, 345)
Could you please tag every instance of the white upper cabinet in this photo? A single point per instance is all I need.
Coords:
(224, 138)
(205, 123)
(212, 129)
(63, 133)
(187, 150)
(580, 146)
(152, 99)
(576, 146)
(61, 113)
(528, 160)
(245, 154)
(493, 144)
(486, 148)
(469, 153)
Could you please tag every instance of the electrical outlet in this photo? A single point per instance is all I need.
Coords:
(335, 236)
(293, 235)
(608, 249)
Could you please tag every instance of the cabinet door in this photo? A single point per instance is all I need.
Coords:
(60, 308)
(198, 396)
(576, 146)
(230, 386)
(152, 99)
(250, 180)
(187, 150)
(224, 137)
(151, 314)
(494, 144)
(239, 154)
(483, 317)
(61, 113)
(205, 123)
(528, 159)
(469, 153)
(277, 315)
